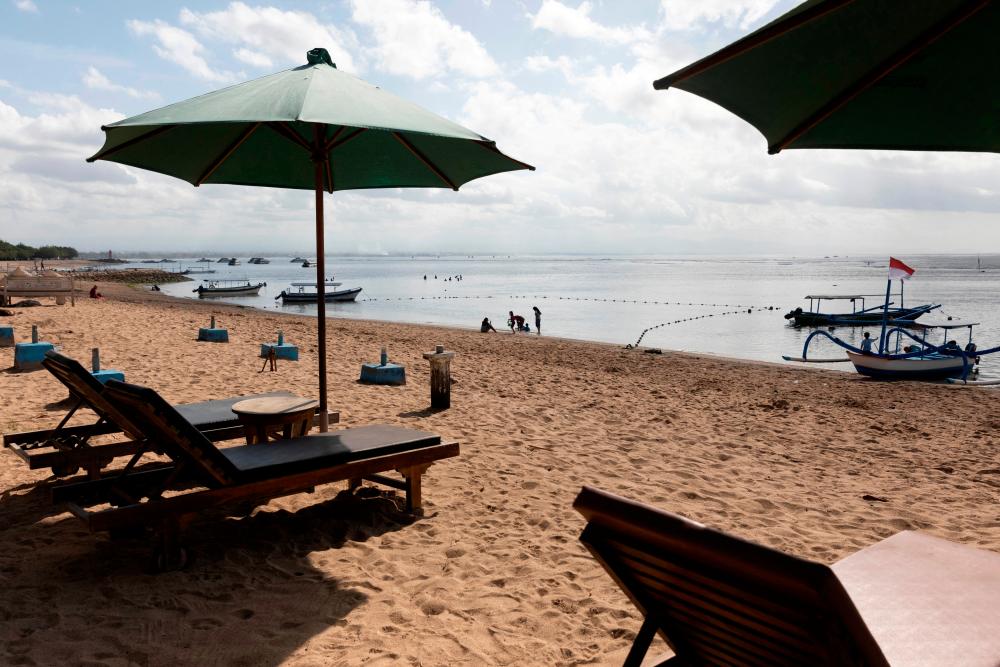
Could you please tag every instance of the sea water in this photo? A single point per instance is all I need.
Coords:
(728, 306)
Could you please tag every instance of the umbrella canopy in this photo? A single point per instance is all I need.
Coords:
(311, 127)
(871, 74)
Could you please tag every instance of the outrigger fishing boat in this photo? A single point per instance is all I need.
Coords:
(922, 359)
(212, 288)
(259, 260)
(298, 260)
(299, 294)
(898, 316)
(919, 360)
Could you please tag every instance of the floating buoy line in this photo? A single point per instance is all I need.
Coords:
(743, 308)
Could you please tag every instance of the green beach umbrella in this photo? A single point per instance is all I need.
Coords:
(869, 74)
(312, 127)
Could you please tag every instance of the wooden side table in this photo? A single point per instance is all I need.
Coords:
(275, 417)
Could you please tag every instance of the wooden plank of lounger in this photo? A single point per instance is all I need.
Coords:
(153, 512)
(927, 601)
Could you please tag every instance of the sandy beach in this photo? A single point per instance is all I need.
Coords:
(814, 462)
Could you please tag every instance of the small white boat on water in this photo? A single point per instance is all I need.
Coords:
(221, 288)
(305, 292)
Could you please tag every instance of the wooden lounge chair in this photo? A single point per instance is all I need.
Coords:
(237, 474)
(911, 599)
(66, 449)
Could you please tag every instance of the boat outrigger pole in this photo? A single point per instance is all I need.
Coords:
(885, 315)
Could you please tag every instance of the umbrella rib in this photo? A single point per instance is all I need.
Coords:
(491, 146)
(335, 144)
(329, 144)
(752, 41)
(884, 68)
(226, 154)
(287, 132)
(131, 142)
(427, 163)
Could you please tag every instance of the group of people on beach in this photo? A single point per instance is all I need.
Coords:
(516, 323)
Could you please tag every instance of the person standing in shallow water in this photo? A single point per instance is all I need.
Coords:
(538, 320)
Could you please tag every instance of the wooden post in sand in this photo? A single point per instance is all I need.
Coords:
(95, 360)
(34, 333)
(440, 377)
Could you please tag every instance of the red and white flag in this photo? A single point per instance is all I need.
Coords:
(898, 270)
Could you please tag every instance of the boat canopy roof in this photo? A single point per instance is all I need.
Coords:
(314, 283)
(929, 323)
(844, 296)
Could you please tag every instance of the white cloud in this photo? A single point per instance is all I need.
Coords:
(95, 80)
(26, 6)
(253, 58)
(543, 63)
(562, 19)
(414, 39)
(180, 47)
(687, 15)
(265, 35)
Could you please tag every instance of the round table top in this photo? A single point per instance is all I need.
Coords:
(274, 405)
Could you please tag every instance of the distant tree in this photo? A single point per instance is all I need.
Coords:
(56, 252)
(21, 251)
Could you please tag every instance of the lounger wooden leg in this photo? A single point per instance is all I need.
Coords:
(412, 477)
(641, 644)
(353, 484)
(168, 554)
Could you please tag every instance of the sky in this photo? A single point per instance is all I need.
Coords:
(561, 84)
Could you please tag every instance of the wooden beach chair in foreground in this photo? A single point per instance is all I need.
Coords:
(66, 449)
(203, 477)
(911, 599)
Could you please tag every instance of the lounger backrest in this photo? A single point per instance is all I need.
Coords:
(171, 432)
(717, 599)
(85, 386)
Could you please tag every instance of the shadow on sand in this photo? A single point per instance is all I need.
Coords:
(258, 588)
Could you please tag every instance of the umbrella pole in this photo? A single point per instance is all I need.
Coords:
(324, 419)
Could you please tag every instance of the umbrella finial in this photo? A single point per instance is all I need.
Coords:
(317, 56)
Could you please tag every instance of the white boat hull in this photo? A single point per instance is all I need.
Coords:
(934, 368)
(306, 297)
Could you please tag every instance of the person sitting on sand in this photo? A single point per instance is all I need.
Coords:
(866, 344)
(94, 294)
(154, 288)
(486, 327)
(515, 321)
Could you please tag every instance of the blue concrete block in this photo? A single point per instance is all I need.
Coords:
(29, 356)
(213, 335)
(103, 376)
(281, 351)
(6, 336)
(383, 373)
